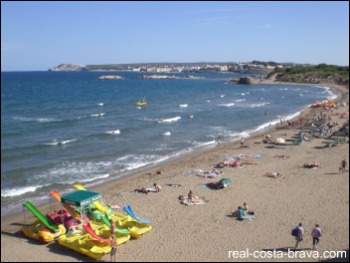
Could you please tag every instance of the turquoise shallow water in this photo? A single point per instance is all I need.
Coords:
(60, 128)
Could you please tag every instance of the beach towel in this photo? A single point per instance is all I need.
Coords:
(174, 185)
(280, 141)
(246, 217)
(187, 203)
(151, 189)
(184, 201)
(212, 175)
(206, 186)
(256, 156)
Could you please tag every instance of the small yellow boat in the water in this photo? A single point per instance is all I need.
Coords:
(142, 103)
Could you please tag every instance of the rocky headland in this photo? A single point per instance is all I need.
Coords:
(69, 67)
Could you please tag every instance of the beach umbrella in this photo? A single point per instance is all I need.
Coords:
(225, 181)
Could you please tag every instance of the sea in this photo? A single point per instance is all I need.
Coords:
(63, 128)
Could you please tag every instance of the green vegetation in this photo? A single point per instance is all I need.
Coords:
(270, 63)
(312, 74)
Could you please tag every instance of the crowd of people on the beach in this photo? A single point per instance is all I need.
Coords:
(243, 212)
(320, 125)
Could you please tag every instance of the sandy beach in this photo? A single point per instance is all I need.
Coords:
(208, 232)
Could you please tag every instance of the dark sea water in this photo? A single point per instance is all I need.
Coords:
(61, 128)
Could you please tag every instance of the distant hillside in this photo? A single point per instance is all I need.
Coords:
(312, 74)
(69, 67)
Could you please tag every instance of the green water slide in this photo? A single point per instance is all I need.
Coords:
(40, 216)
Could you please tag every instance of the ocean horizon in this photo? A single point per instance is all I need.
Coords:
(64, 128)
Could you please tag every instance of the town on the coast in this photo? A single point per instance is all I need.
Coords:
(239, 67)
(255, 70)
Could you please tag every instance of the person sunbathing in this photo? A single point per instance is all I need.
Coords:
(194, 199)
(146, 190)
(113, 206)
(220, 165)
(191, 197)
(235, 164)
(215, 185)
(142, 190)
(213, 173)
(242, 214)
(273, 175)
(311, 165)
(216, 172)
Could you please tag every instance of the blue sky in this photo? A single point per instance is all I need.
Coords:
(40, 35)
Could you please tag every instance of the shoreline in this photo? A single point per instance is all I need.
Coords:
(172, 156)
(149, 168)
(119, 191)
(208, 146)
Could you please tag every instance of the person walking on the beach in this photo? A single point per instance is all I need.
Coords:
(242, 142)
(316, 233)
(114, 245)
(298, 233)
(343, 165)
(219, 141)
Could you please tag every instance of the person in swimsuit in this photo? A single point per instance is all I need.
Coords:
(114, 245)
(157, 187)
(343, 165)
